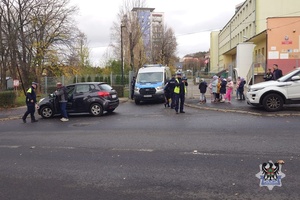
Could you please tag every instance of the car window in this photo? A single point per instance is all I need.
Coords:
(82, 88)
(289, 76)
(105, 87)
(70, 90)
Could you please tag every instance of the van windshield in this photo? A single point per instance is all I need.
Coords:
(150, 77)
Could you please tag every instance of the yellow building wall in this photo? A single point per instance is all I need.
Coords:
(250, 20)
(279, 8)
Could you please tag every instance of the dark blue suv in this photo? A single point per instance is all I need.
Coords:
(86, 97)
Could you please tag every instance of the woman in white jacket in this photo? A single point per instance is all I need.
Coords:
(214, 85)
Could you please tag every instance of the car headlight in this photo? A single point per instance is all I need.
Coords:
(136, 89)
(255, 89)
(159, 88)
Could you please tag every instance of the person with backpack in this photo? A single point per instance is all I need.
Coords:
(202, 87)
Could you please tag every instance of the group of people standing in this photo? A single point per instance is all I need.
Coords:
(31, 102)
(276, 74)
(221, 89)
(175, 90)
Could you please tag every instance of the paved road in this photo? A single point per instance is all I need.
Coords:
(148, 152)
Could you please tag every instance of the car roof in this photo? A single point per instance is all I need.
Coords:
(83, 83)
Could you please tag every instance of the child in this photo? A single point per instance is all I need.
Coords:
(211, 92)
(214, 85)
(202, 88)
(229, 88)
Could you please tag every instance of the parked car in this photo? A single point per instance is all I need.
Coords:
(272, 95)
(87, 97)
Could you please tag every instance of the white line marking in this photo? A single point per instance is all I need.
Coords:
(142, 150)
(9, 146)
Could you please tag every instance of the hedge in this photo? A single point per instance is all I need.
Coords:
(119, 89)
(7, 99)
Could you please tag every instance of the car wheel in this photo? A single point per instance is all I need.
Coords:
(137, 102)
(46, 112)
(110, 110)
(96, 109)
(273, 102)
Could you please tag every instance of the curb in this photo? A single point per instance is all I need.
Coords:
(242, 111)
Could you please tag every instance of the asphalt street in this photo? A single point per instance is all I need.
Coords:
(148, 152)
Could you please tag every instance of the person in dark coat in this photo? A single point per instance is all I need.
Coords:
(241, 89)
(223, 89)
(179, 92)
(167, 91)
(202, 88)
(269, 75)
(30, 103)
(171, 86)
(277, 73)
(132, 87)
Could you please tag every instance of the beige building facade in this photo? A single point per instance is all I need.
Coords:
(248, 26)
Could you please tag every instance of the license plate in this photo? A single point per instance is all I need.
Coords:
(114, 96)
(148, 95)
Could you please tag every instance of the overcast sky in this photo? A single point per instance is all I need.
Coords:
(191, 20)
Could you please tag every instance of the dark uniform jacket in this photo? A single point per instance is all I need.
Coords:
(30, 95)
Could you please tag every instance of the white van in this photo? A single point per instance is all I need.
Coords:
(150, 82)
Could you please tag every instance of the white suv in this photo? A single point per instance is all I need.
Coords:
(272, 95)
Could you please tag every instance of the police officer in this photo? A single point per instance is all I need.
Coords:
(132, 87)
(179, 92)
(31, 103)
(171, 86)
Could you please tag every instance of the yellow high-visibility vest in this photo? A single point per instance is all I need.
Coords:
(177, 88)
(29, 90)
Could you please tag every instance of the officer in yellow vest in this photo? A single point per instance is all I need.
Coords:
(179, 92)
(31, 103)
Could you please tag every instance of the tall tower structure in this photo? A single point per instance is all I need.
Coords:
(157, 32)
(144, 16)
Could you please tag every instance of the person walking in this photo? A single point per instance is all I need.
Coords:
(62, 94)
(277, 73)
(202, 88)
(30, 103)
(179, 92)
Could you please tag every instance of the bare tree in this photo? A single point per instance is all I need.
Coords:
(164, 46)
(132, 35)
(31, 31)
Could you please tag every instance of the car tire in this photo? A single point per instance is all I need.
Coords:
(46, 112)
(96, 109)
(273, 102)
